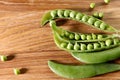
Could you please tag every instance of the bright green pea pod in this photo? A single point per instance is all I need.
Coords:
(82, 71)
(74, 15)
(78, 37)
(98, 57)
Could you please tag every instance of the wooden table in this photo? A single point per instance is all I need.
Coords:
(30, 47)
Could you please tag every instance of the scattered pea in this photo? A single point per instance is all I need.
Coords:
(16, 71)
(92, 5)
(106, 1)
(3, 58)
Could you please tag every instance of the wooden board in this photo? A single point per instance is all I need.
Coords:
(30, 47)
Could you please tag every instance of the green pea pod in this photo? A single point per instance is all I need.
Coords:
(78, 37)
(82, 71)
(98, 57)
(74, 15)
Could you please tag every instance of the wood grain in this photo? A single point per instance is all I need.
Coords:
(31, 46)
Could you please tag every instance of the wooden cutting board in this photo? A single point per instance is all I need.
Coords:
(30, 47)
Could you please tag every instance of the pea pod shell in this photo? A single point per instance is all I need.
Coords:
(82, 71)
(98, 57)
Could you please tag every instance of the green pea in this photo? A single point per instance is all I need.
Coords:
(97, 23)
(103, 26)
(16, 71)
(79, 16)
(85, 18)
(71, 36)
(83, 37)
(53, 13)
(60, 13)
(67, 33)
(102, 44)
(66, 13)
(108, 42)
(76, 46)
(83, 47)
(63, 45)
(106, 1)
(92, 5)
(100, 36)
(116, 41)
(91, 20)
(94, 36)
(89, 37)
(77, 36)
(101, 15)
(89, 47)
(96, 14)
(96, 45)
(3, 58)
(72, 14)
(70, 46)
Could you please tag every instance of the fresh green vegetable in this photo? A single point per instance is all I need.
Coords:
(16, 71)
(92, 5)
(3, 58)
(82, 71)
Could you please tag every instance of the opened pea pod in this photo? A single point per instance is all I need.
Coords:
(78, 37)
(74, 15)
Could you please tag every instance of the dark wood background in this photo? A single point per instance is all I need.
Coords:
(31, 47)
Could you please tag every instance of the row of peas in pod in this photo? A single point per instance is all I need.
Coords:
(88, 48)
(80, 42)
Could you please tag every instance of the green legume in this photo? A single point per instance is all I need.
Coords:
(92, 5)
(116, 41)
(97, 23)
(100, 36)
(3, 58)
(67, 33)
(106, 1)
(89, 47)
(102, 44)
(63, 45)
(72, 14)
(96, 45)
(89, 37)
(66, 13)
(77, 36)
(83, 37)
(53, 14)
(70, 46)
(76, 46)
(16, 71)
(101, 15)
(79, 16)
(71, 36)
(91, 20)
(103, 26)
(85, 18)
(83, 47)
(108, 42)
(60, 13)
(94, 36)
